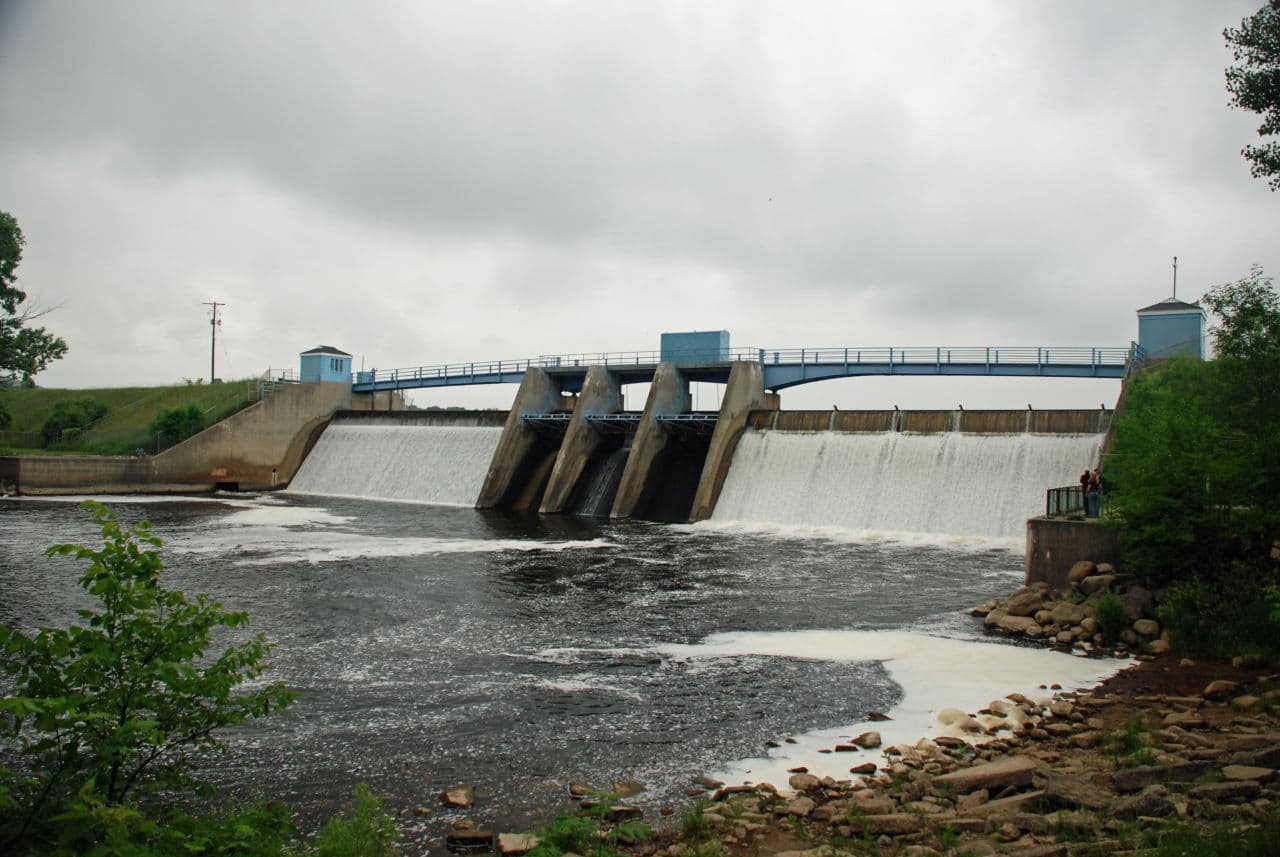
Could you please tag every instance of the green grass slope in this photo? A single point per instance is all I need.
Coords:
(129, 411)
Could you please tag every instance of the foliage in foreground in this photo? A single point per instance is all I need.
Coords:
(109, 711)
(1195, 476)
(590, 834)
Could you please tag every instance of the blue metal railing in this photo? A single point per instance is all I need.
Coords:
(496, 371)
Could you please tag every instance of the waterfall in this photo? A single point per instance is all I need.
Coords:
(412, 463)
(946, 483)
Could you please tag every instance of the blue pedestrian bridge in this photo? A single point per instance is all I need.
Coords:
(782, 368)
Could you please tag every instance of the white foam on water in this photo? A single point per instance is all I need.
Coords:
(438, 465)
(845, 535)
(935, 673)
(284, 546)
(886, 484)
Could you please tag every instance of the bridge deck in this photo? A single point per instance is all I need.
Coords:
(782, 367)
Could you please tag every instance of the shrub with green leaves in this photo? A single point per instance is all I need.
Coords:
(177, 424)
(79, 414)
(127, 701)
(1112, 615)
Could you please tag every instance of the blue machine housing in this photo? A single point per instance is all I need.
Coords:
(325, 363)
(695, 346)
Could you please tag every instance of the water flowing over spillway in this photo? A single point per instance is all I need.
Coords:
(946, 483)
(411, 463)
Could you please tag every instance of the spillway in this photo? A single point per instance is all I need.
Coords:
(944, 483)
(440, 464)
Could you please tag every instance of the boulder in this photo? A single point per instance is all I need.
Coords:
(1024, 604)
(1068, 614)
(516, 844)
(1220, 690)
(864, 768)
(993, 618)
(804, 782)
(1147, 627)
(1268, 757)
(1152, 802)
(1080, 570)
(1069, 791)
(1097, 583)
(1133, 779)
(461, 796)
(1248, 772)
(801, 806)
(894, 824)
(1137, 601)
(868, 740)
(1019, 625)
(1235, 790)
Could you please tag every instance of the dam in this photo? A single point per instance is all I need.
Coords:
(963, 473)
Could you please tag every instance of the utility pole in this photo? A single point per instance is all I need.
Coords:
(1175, 278)
(214, 324)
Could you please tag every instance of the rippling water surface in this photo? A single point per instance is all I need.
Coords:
(433, 646)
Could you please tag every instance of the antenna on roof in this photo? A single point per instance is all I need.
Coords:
(1175, 278)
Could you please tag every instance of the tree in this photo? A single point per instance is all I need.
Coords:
(128, 701)
(76, 414)
(24, 350)
(1254, 84)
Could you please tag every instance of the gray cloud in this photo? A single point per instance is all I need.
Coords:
(424, 181)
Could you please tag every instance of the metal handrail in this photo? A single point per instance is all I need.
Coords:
(1130, 357)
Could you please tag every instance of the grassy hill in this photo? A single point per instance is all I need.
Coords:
(123, 428)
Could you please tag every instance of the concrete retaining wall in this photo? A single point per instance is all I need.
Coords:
(1054, 545)
(668, 396)
(601, 394)
(257, 448)
(521, 454)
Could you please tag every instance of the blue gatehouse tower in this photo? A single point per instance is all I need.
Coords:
(1172, 328)
(325, 363)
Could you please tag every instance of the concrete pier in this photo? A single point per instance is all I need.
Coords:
(601, 394)
(743, 394)
(668, 396)
(517, 453)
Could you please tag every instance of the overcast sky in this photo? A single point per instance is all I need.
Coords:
(419, 183)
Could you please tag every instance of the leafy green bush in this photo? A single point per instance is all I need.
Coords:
(1112, 615)
(1131, 746)
(366, 832)
(5, 417)
(125, 703)
(1207, 617)
(177, 424)
(75, 414)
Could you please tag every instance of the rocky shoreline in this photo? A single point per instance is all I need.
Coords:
(1164, 742)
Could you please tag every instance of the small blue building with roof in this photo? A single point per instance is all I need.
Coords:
(325, 363)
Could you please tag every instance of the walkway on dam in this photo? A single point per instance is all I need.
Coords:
(782, 367)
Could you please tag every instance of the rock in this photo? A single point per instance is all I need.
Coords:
(894, 824)
(462, 796)
(1265, 758)
(1147, 627)
(846, 748)
(1106, 568)
(516, 844)
(1133, 779)
(1248, 772)
(1246, 702)
(864, 768)
(468, 839)
(1003, 772)
(1152, 802)
(868, 740)
(1128, 637)
(1089, 625)
(804, 782)
(966, 803)
(1043, 617)
(1064, 638)
(1061, 708)
(877, 717)
(709, 782)
(1220, 690)
(581, 790)
(1069, 791)
(801, 806)
(1068, 614)
(1161, 647)
(1095, 584)
(1236, 790)
(1024, 603)
(1137, 601)
(992, 619)
(628, 788)
(1080, 570)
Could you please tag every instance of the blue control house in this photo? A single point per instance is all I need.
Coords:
(325, 363)
(695, 346)
(1172, 328)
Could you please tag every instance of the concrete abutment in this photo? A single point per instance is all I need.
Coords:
(668, 396)
(523, 455)
(601, 394)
